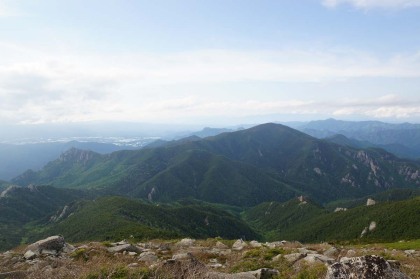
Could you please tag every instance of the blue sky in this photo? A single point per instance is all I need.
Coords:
(210, 62)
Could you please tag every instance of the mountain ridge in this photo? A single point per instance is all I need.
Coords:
(401, 139)
(317, 168)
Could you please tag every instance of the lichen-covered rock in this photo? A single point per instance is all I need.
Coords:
(50, 245)
(366, 267)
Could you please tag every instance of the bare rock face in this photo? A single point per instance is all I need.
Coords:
(370, 202)
(366, 267)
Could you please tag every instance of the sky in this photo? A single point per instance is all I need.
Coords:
(210, 62)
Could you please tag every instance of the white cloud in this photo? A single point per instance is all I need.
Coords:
(388, 106)
(36, 86)
(366, 4)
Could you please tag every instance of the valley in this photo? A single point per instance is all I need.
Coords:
(268, 182)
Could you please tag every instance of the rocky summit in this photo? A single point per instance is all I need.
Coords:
(217, 258)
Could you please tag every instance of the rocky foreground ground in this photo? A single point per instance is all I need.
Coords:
(212, 259)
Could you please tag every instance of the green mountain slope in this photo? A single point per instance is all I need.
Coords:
(216, 179)
(307, 223)
(116, 218)
(277, 160)
(21, 205)
(321, 169)
(276, 221)
(390, 195)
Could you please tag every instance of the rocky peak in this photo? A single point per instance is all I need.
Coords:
(77, 156)
(8, 191)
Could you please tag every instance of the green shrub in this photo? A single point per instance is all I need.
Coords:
(79, 254)
(312, 272)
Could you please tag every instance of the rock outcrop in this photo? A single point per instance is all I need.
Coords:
(366, 267)
(52, 245)
(239, 245)
(370, 202)
(205, 259)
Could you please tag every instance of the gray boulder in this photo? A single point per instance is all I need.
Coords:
(124, 248)
(181, 256)
(51, 245)
(255, 244)
(29, 255)
(239, 245)
(148, 257)
(331, 252)
(313, 258)
(186, 242)
(365, 267)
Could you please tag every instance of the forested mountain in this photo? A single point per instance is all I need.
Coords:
(263, 163)
(308, 222)
(22, 205)
(17, 158)
(197, 187)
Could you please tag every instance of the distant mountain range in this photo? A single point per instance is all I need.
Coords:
(402, 140)
(247, 167)
(20, 155)
(17, 158)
